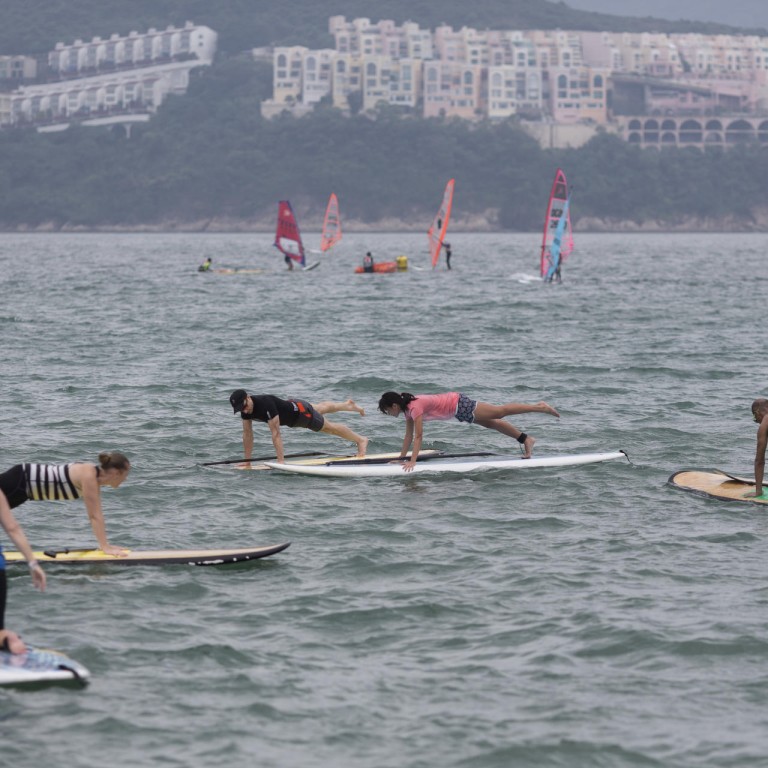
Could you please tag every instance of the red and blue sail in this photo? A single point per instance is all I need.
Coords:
(287, 236)
(558, 218)
(556, 248)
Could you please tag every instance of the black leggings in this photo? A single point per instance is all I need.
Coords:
(3, 593)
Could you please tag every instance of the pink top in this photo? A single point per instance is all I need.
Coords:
(433, 407)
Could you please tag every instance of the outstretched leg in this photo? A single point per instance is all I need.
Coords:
(328, 406)
(485, 411)
(339, 430)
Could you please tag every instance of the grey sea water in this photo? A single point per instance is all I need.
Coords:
(589, 616)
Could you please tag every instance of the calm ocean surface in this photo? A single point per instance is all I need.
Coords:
(589, 616)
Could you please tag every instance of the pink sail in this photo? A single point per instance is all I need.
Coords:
(439, 226)
(555, 207)
(331, 225)
(288, 237)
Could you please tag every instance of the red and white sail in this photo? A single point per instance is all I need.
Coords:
(437, 231)
(331, 224)
(287, 236)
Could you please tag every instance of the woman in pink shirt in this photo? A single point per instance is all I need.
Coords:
(454, 405)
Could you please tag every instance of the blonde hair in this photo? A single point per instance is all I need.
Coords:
(114, 460)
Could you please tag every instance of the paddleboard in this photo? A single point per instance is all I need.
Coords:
(445, 465)
(41, 667)
(70, 556)
(716, 485)
(331, 460)
(234, 271)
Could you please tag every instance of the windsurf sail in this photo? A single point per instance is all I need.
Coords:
(287, 237)
(331, 225)
(436, 232)
(556, 249)
(557, 209)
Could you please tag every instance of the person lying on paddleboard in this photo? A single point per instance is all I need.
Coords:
(276, 412)
(67, 482)
(454, 405)
(10, 641)
(760, 415)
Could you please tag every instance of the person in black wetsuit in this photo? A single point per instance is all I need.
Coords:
(292, 413)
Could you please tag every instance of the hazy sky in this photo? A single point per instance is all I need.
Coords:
(737, 13)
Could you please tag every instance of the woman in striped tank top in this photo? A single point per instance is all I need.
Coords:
(67, 482)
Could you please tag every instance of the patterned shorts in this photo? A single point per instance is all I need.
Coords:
(465, 410)
(308, 417)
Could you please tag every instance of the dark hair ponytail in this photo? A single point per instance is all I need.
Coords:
(388, 399)
(114, 460)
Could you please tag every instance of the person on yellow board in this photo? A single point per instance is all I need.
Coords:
(67, 482)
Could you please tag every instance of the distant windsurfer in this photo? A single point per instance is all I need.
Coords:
(760, 415)
(276, 412)
(447, 247)
(454, 405)
(368, 263)
(206, 265)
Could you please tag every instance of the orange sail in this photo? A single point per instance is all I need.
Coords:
(331, 224)
(439, 226)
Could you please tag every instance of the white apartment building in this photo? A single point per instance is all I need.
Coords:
(136, 49)
(103, 82)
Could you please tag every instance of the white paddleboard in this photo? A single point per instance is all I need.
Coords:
(445, 465)
(38, 666)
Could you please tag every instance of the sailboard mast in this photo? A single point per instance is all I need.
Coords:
(287, 236)
(557, 208)
(331, 224)
(436, 232)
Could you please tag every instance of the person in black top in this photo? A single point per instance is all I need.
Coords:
(293, 413)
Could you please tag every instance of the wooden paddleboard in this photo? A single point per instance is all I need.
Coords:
(716, 485)
(38, 667)
(330, 460)
(71, 556)
(446, 465)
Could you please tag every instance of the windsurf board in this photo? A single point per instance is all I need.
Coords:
(444, 465)
(39, 667)
(716, 485)
(72, 556)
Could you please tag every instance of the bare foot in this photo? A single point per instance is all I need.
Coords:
(13, 642)
(353, 406)
(362, 447)
(528, 447)
(547, 408)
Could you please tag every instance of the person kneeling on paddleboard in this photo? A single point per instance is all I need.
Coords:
(10, 642)
(454, 405)
(67, 482)
(276, 412)
(760, 416)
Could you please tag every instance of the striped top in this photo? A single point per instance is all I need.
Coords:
(50, 482)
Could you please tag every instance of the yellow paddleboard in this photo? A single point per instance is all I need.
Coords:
(332, 460)
(716, 485)
(71, 556)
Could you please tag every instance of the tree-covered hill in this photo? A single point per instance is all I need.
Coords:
(210, 155)
(35, 26)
